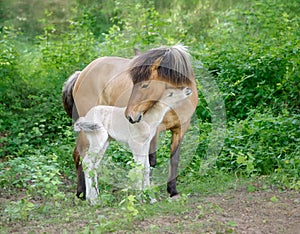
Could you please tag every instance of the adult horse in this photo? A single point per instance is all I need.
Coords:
(137, 84)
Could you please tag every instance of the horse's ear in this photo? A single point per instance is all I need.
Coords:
(137, 52)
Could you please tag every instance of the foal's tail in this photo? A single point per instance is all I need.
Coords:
(67, 95)
(82, 125)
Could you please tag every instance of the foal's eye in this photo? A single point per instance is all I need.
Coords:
(144, 86)
(170, 94)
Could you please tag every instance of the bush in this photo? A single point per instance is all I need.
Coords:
(254, 54)
(264, 144)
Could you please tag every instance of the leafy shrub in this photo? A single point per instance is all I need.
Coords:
(18, 211)
(254, 54)
(38, 173)
(263, 144)
(139, 24)
(34, 128)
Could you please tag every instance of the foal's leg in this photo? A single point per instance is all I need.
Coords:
(140, 157)
(177, 136)
(98, 143)
(90, 173)
(140, 154)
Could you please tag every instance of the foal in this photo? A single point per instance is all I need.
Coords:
(104, 122)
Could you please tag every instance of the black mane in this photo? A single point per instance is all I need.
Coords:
(172, 63)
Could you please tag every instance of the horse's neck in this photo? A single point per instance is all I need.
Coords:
(155, 115)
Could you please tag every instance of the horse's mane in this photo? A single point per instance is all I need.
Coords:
(172, 63)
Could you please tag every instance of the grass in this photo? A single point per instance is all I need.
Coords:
(22, 213)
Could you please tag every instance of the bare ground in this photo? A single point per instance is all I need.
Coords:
(234, 212)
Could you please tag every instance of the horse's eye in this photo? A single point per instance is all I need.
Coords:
(170, 94)
(144, 86)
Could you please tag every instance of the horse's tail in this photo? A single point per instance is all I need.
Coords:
(67, 95)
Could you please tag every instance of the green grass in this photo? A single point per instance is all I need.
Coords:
(67, 214)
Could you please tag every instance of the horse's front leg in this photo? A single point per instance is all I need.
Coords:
(152, 150)
(152, 153)
(177, 136)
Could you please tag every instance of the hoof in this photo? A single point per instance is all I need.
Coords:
(81, 196)
(152, 201)
(175, 197)
(93, 201)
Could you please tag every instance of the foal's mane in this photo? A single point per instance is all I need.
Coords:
(173, 65)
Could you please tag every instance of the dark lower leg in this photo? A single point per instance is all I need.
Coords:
(171, 188)
(152, 151)
(174, 160)
(152, 159)
(80, 175)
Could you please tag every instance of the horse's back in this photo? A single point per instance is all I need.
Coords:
(101, 83)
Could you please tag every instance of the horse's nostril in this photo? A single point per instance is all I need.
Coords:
(130, 119)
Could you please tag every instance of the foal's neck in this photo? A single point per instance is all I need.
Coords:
(156, 113)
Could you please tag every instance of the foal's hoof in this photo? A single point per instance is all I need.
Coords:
(152, 201)
(175, 197)
(92, 202)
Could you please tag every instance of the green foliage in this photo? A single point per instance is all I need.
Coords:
(250, 49)
(137, 26)
(19, 211)
(70, 50)
(264, 144)
(8, 59)
(129, 206)
(39, 174)
(254, 54)
(140, 24)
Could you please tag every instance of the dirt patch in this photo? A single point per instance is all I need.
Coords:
(233, 212)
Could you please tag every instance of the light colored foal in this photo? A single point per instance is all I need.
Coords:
(104, 122)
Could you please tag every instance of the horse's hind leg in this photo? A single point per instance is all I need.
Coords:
(80, 175)
(79, 152)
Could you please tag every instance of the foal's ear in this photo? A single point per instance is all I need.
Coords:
(137, 51)
(187, 91)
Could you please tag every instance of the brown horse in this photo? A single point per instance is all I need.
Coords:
(137, 84)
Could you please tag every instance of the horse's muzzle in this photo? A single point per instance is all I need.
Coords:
(134, 120)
